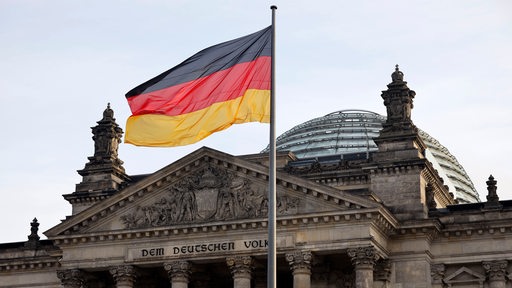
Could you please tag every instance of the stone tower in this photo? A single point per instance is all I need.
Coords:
(404, 179)
(104, 174)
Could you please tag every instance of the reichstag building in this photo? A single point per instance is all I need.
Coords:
(363, 201)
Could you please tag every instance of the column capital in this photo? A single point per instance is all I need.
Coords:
(124, 274)
(240, 266)
(300, 261)
(363, 256)
(178, 271)
(72, 278)
(496, 270)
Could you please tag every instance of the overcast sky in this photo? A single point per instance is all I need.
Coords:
(61, 62)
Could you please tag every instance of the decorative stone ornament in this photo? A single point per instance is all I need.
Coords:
(300, 261)
(33, 238)
(495, 270)
(124, 275)
(241, 268)
(363, 259)
(398, 100)
(72, 278)
(240, 265)
(300, 264)
(211, 194)
(362, 256)
(429, 195)
(178, 271)
(493, 201)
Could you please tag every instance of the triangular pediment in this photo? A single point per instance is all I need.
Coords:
(207, 187)
(464, 275)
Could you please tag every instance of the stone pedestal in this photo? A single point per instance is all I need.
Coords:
(124, 276)
(363, 259)
(241, 268)
(300, 264)
(179, 273)
(72, 278)
(496, 273)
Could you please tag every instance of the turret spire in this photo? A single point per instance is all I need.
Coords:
(107, 136)
(397, 75)
(398, 101)
(33, 238)
(493, 201)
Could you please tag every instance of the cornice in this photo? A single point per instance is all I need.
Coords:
(372, 216)
(429, 228)
(435, 230)
(396, 167)
(91, 198)
(470, 230)
(29, 264)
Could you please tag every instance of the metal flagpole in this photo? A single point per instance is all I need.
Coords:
(271, 261)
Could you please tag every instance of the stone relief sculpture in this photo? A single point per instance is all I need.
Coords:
(210, 195)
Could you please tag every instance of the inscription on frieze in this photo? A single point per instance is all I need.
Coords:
(198, 248)
(210, 195)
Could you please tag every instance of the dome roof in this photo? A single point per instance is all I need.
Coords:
(352, 131)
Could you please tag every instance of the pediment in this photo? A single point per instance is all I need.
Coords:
(464, 275)
(205, 187)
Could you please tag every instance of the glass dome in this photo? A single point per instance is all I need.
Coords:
(352, 131)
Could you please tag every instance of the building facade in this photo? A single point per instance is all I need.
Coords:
(381, 218)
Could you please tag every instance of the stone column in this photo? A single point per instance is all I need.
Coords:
(72, 278)
(496, 273)
(437, 273)
(124, 276)
(241, 268)
(300, 264)
(179, 273)
(363, 259)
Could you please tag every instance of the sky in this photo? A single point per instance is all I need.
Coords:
(62, 61)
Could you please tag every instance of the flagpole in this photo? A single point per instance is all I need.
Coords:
(271, 258)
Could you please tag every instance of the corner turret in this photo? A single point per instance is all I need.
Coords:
(399, 138)
(398, 99)
(104, 174)
(400, 173)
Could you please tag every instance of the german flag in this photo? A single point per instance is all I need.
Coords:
(225, 84)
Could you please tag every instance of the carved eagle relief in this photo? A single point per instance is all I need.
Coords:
(209, 195)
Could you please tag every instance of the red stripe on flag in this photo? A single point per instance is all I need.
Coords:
(203, 92)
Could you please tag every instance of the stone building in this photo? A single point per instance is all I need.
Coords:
(391, 209)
